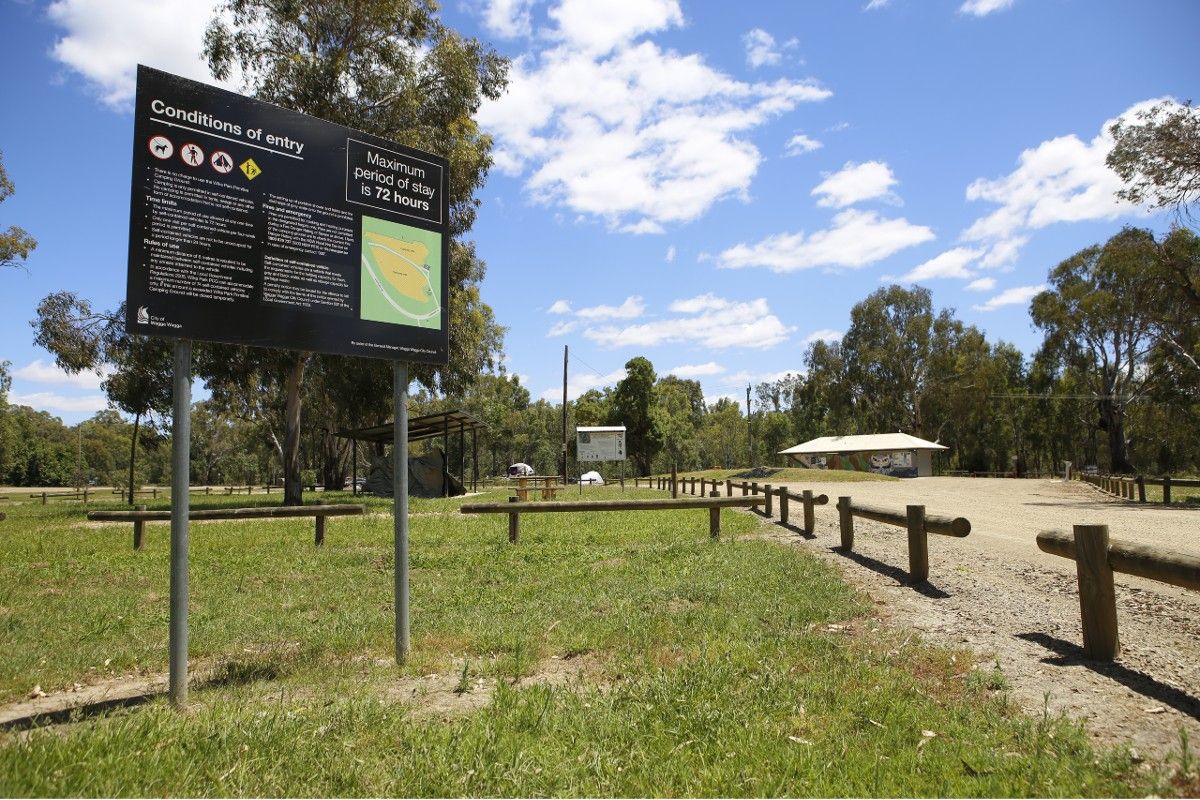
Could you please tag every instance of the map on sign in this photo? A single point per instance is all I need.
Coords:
(401, 274)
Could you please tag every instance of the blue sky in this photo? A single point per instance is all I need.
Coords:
(711, 185)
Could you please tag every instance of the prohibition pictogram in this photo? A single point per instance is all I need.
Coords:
(221, 162)
(192, 155)
(161, 147)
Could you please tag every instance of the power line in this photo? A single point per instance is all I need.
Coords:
(1064, 396)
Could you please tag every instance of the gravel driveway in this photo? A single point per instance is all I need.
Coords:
(997, 594)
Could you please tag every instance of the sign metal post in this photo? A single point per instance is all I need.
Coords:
(400, 503)
(181, 440)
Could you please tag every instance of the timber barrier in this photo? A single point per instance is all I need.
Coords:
(915, 520)
(141, 516)
(1133, 488)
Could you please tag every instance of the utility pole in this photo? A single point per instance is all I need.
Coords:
(564, 418)
(749, 430)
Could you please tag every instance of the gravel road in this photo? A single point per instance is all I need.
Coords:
(995, 593)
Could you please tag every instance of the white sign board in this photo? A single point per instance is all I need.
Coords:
(600, 444)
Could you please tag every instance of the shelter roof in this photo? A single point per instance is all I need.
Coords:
(863, 443)
(598, 428)
(424, 427)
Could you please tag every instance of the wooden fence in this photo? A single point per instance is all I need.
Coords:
(918, 523)
(1133, 488)
(141, 516)
(1096, 559)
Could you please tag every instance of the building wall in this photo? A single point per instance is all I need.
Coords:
(898, 463)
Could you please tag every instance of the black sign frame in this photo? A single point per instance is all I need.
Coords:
(257, 225)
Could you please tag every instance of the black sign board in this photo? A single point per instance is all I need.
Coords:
(256, 225)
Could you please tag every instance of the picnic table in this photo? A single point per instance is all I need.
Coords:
(548, 484)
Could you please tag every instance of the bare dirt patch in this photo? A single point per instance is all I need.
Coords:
(996, 594)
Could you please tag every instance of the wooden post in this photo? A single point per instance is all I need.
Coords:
(846, 523)
(783, 505)
(810, 515)
(154, 492)
(320, 540)
(728, 487)
(43, 498)
(770, 511)
(745, 488)
(674, 481)
(714, 518)
(1166, 490)
(1097, 595)
(85, 494)
(514, 523)
(139, 527)
(918, 545)
(1141, 484)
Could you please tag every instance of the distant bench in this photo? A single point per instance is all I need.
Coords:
(140, 517)
(514, 508)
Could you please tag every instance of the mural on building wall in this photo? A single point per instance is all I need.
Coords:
(898, 464)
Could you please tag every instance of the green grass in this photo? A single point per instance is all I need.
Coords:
(730, 668)
(791, 474)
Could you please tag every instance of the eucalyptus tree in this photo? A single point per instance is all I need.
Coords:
(390, 68)
(15, 243)
(1097, 318)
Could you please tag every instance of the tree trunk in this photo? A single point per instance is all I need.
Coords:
(137, 418)
(1114, 426)
(293, 490)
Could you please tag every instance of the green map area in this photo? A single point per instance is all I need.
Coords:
(401, 274)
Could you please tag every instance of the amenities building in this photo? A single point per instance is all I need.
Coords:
(895, 454)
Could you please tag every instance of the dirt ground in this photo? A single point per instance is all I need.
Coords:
(996, 593)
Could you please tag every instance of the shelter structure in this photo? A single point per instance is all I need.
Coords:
(428, 426)
(896, 454)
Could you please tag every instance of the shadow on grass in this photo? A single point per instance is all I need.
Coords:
(75, 713)
(896, 573)
(1071, 654)
(796, 529)
(240, 673)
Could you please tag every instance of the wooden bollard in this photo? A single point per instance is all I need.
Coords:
(846, 523)
(918, 545)
(770, 512)
(783, 505)
(514, 523)
(728, 487)
(714, 518)
(43, 498)
(754, 489)
(1166, 490)
(674, 482)
(1097, 595)
(745, 488)
(1141, 486)
(320, 535)
(810, 513)
(139, 527)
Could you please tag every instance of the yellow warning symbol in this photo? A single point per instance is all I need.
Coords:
(250, 169)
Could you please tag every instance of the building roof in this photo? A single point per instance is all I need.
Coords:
(861, 444)
(426, 427)
(599, 428)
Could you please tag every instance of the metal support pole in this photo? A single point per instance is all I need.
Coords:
(400, 503)
(354, 467)
(474, 460)
(181, 436)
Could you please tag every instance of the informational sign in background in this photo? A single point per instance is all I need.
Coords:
(605, 443)
(256, 225)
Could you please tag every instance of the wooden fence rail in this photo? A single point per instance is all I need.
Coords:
(1096, 559)
(918, 523)
(1125, 486)
(141, 516)
(514, 508)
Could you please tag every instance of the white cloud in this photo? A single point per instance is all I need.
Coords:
(981, 285)
(801, 144)
(562, 328)
(1061, 180)
(761, 49)
(874, 4)
(823, 335)
(38, 371)
(559, 307)
(696, 370)
(854, 183)
(711, 400)
(632, 308)
(856, 239)
(508, 19)
(1004, 252)
(1011, 297)
(580, 382)
(981, 8)
(620, 130)
(747, 377)
(52, 401)
(714, 322)
(950, 264)
(599, 27)
(670, 257)
(105, 40)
